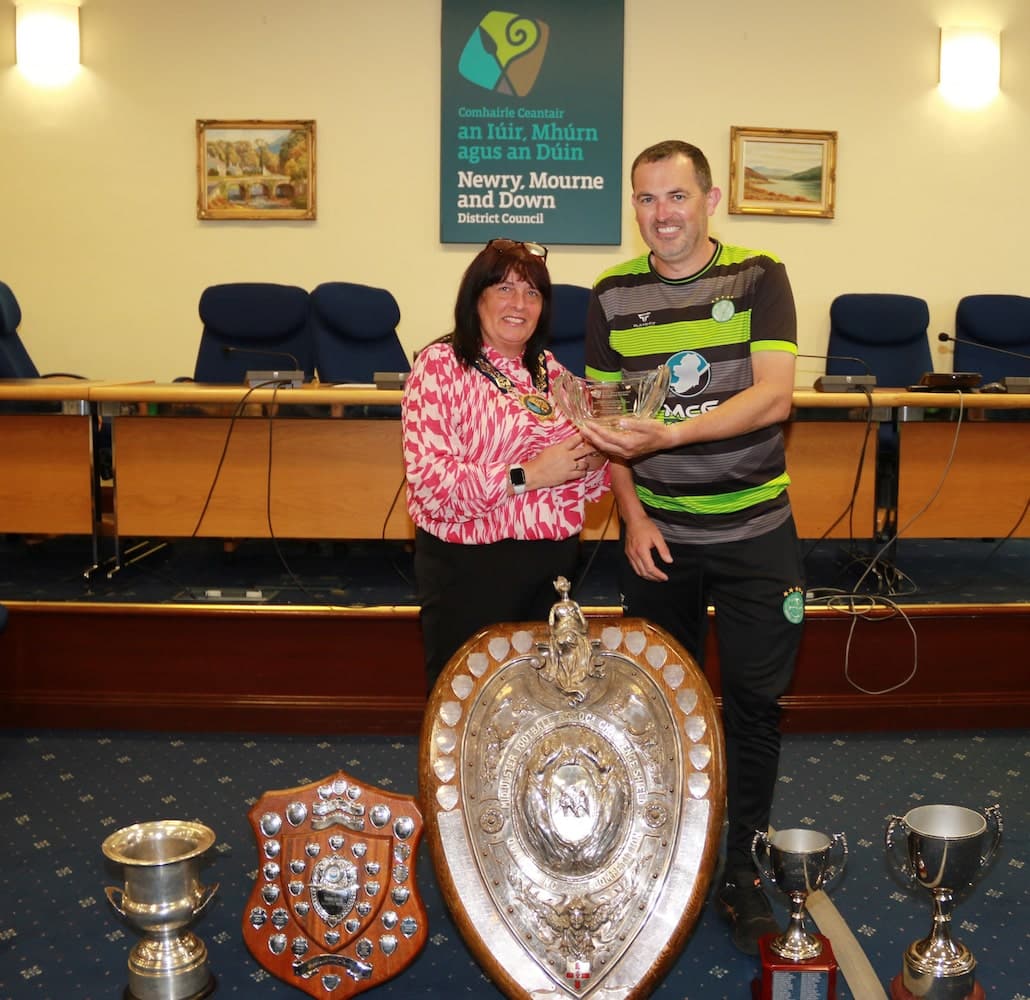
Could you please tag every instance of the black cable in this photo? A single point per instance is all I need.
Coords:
(268, 502)
(850, 508)
(382, 534)
(971, 578)
(237, 411)
(919, 513)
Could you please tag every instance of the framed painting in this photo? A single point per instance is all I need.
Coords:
(782, 171)
(255, 169)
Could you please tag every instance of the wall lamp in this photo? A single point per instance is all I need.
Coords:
(47, 40)
(970, 66)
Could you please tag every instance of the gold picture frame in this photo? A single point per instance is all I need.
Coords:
(782, 171)
(251, 169)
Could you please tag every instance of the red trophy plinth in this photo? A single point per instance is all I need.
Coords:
(801, 979)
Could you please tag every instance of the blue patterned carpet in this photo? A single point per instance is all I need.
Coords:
(62, 793)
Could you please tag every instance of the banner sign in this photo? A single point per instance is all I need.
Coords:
(531, 121)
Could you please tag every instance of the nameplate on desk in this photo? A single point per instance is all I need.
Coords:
(275, 379)
(844, 383)
(1017, 383)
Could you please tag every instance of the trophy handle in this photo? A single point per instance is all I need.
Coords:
(901, 866)
(833, 872)
(762, 839)
(206, 896)
(109, 891)
(993, 816)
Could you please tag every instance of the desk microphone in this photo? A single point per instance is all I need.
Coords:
(1010, 383)
(842, 383)
(944, 337)
(293, 377)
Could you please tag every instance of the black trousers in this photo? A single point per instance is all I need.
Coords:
(750, 584)
(465, 588)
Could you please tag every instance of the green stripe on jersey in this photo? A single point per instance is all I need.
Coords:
(724, 503)
(670, 338)
(774, 345)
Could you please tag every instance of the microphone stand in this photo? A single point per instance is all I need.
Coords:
(293, 378)
(842, 383)
(1011, 383)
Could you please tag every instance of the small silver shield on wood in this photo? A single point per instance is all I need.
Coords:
(572, 777)
(318, 915)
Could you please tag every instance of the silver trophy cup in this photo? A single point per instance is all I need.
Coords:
(799, 862)
(162, 896)
(637, 395)
(946, 850)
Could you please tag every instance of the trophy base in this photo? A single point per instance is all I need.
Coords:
(207, 990)
(811, 978)
(900, 992)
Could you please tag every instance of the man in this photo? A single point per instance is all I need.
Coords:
(702, 491)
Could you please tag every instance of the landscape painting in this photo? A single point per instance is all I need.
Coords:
(782, 172)
(255, 169)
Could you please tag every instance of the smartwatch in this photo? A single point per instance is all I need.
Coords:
(517, 478)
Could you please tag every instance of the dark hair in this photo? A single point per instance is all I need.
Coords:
(490, 267)
(673, 147)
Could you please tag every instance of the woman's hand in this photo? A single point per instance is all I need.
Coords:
(563, 462)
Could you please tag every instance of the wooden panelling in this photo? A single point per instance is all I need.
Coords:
(312, 670)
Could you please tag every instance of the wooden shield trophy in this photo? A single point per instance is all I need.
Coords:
(572, 782)
(335, 909)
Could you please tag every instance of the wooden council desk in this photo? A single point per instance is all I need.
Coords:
(321, 476)
(47, 484)
(982, 491)
(326, 477)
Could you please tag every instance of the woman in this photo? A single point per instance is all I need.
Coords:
(497, 475)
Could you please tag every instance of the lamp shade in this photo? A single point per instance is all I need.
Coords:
(970, 66)
(47, 40)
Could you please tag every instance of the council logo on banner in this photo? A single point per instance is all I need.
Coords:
(504, 53)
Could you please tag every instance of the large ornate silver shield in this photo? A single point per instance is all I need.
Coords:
(335, 909)
(572, 780)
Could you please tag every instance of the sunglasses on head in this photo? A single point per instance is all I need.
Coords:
(503, 246)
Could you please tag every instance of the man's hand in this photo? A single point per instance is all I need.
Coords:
(643, 539)
(630, 438)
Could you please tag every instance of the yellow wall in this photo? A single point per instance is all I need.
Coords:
(101, 243)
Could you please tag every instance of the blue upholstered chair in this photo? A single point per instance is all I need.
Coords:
(15, 360)
(355, 332)
(253, 326)
(3, 618)
(1001, 321)
(886, 331)
(888, 334)
(568, 325)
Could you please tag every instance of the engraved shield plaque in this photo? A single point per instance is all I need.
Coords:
(572, 779)
(335, 909)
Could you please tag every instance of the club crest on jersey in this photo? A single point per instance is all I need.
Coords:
(723, 310)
